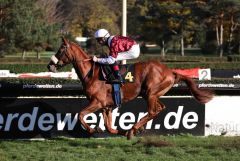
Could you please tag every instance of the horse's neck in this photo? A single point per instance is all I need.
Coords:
(82, 70)
(82, 67)
(80, 54)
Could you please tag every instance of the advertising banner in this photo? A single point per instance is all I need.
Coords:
(222, 116)
(226, 73)
(47, 117)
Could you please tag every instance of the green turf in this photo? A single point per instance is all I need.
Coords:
(155, 148)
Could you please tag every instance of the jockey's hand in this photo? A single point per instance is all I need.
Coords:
(94, 58)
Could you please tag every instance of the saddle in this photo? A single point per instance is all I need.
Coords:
(106, 74)
(126, 71)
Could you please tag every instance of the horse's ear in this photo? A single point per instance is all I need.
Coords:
(64, 41)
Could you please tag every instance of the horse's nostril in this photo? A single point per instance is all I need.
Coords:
(48, 66)
(52, 68)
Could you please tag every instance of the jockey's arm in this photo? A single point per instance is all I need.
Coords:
(108, 60)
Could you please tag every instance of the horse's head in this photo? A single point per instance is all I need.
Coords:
(62, 57)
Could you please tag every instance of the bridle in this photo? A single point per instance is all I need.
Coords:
(58, 62)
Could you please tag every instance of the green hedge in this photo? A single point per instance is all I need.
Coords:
(17, 60)
(178, 58)
(31, 65)
(36, 68)
(211, 65)
(233, 58)
(29, 68)
(143, 57)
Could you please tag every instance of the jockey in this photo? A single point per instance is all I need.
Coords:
(120, 47)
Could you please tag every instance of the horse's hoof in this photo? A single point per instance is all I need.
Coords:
(99, 130)
(123, 133)
(130, 135)
(140, 130)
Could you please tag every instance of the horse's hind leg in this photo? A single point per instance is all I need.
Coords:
(107, 116)
(154, 105)
(154, 108)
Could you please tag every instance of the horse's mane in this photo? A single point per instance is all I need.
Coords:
(80, 48)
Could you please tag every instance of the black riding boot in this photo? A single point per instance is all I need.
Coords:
(118, 77)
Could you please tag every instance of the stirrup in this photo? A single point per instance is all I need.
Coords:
(117, 81)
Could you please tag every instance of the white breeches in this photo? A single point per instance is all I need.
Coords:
(130, 54)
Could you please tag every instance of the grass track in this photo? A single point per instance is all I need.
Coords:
(155, 148)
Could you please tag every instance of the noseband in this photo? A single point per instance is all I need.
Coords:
(56, 61)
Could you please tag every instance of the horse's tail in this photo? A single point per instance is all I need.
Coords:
(202, 95)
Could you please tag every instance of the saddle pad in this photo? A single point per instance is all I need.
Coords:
(127, 72)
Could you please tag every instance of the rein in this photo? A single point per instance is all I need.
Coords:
(56, 61)
(84, 60)
(92, 68)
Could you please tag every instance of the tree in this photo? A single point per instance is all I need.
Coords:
(29, 25)
(52, 19)
(25, 25)
(88, 16)
(5, 9)
(192, 22)
(233, 20)
(223, 15)
(166, 21)
(155, 27)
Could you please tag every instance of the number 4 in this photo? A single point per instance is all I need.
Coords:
(129, 76)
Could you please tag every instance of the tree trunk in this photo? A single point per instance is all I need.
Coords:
(239, 47)
(175, 48)
(221, 40)
(217, 35)
(38, 54)
(230, 39)
(23, 54)
(182, 46)
(163, 49)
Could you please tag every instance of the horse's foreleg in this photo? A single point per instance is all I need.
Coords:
(107, 115)
(92, 107)
(108, 121)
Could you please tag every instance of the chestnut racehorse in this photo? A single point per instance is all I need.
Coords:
(152, 80)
